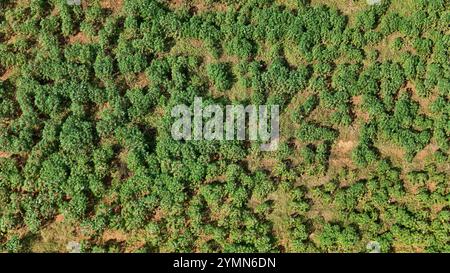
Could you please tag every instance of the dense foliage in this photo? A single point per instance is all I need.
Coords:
(85, 147)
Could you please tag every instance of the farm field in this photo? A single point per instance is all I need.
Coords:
(88, 161)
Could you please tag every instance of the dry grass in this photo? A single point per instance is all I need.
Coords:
(385, 49)
(192, 47)
(327, 214)
(407, 248)
(361, 113)
(80, 38)
(55, 236)
(341, 153)
(114, 235)
(422, 156)
(347, 7)
(403, 7)
(141, 81)
(394, 152)
(280, 216)
(131, 241)
(260, 162)
(290, 4)
(114, 5)
(197, 5)
(176, 4)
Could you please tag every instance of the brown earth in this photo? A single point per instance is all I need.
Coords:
(429, 150)
(114, 5)
(358, 109)
(4, 154)
(80, 37)
(7, 74)
(114, 235)
(159, 214)
(141, 81)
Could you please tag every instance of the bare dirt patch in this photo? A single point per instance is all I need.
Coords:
(4, 154)
(141, 81)
(229, 59)
(7, 74)
(347, 7)
(80, 37)
(55, 237)
(220, 7)
(358, 109)
(13, 39)
(114, 5)
(436, 208)
(173, 4)
(54, 12)
(114, 235)
(159, 214)
(341, 152)
(341, 160)
(59, 218)
(345, 146)
(196, 42)
(394, 152)
(429, 150)
(328, 215)
(131, 241)
(404, 248)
